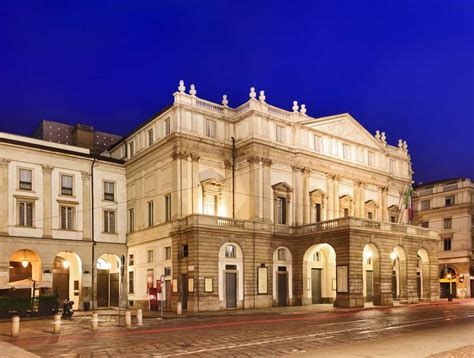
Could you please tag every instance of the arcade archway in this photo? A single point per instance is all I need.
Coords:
(108, 280)
(319, 274)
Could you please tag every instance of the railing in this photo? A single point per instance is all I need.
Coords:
(424, 192)
(450, 187)
(225, 222)
(209, 106)
(277, 112)
(243, 108)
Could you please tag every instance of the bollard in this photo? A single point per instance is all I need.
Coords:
(139, 317)
(179, 309)
(95, 321)
(15, 326)
(128, 318)
(57, 324)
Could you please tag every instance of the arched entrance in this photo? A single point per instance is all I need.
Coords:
(67, 276)
(447, 281)
(371, 273)
(24, 265)
(108, 280)
(423, 275)
(319, 274)
(399, 283)
(231, 277)
(282, 276)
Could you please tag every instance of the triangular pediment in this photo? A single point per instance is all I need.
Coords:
(346, 127)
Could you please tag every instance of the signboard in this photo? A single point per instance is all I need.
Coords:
(175, 285)
(86, 279)
(208, 284)
(342, 279)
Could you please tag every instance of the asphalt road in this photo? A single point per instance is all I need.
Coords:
(410, 331)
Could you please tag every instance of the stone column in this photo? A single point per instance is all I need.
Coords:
(384, 204)
(355, 185)
(4, 197)
(227, 195)
(187, 176)
(330, 197)
(386, 266)
(254, 188)
(336, 196)
(87, 211)
(362, 200)
(47, 201)
(268, 199)
(305, 197)
(298, 201)
(196, 190)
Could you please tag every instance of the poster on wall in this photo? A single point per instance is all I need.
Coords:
(342, 279)
(208, 284)
(86, 279)
(262, 280)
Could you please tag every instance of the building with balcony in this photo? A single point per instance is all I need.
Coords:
(448, 206)
(256, 206)
(62, 221)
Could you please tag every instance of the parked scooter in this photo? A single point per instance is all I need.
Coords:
(68, 309)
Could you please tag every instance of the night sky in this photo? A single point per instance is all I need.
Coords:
(404, 67)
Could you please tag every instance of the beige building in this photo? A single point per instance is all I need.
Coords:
(448, 206)
(48, 230)
(256, 206)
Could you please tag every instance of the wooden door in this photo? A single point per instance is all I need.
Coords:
(316, 291)
(102, 288)
(418, 284)
(184, 291)
(369, 286)
(231, 290)
(282, 288)
(114, 289)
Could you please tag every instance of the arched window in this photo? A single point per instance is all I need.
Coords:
(230, 251)
(317, 256)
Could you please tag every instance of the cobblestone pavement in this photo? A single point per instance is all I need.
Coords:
(278, 333)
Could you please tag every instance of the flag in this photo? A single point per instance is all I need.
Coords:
(409, 203)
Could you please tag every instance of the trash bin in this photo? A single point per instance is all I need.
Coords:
(87, 306)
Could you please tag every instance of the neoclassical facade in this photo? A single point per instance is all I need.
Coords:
(256, 206)
(448, 207)
(62, 221)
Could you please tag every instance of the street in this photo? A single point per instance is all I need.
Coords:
(405, 331)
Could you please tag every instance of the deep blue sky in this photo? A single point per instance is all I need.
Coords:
(405, 67)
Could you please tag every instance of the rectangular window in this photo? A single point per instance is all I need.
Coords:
(370, 215)
(318, 212)
(67, 218)
(317, 143)
(167, 271)
(168, 207)
(449, 200)
(346, 151)
(131, 260)
(425, 204)
(210, 128)
(346, 212)
(109, 221)
(230, 251)
(281, 211)
(168, 253)
(25, 213)
(150, 137)
(167, 126)
(26, 179)
(393, 219)
(109, 191)
(371, 159)
(425, 224)
(392, 166)
(281, 255)
(448, 223)
(150, 214)
(149, 255)
(279, 134)
(131, 220)
(447, 244)
(66, 184)
(131, 282)
(210, 204)
(131, 149)
(184, 251)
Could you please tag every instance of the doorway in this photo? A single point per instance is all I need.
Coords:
(231, 290)
(184, 291)
(316, 292)
(369, 281)
(418, 284)
(282, 288)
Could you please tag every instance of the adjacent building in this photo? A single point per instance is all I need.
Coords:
(256, 206)
(448, 206)
(62, 220)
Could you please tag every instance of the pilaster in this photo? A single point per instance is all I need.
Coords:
(4, 196)
(268, 199)
(86, 206)
(47, 201)
(305, 197)
(330, 197)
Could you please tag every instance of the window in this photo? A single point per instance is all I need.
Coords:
(131, 282)
(425, 204)
(25, 213)
(447, 244)
(317, 256)
(168, 207)
(66, 184)
(425, 224)
(131, 149)
(230, 251)
(318, 212)
(150, 137)
(393, 219)
(210, 204)
(370, 215)
(346, 151)
(167, 126)
(26, 180)
(167, 271)
(449, 200)
(168, 253)
(109, 191)
(109, 221)
(150, 213)
(184, 251)
(67, 218)
(317, 143)
(210, 128)
(131, 260)
(281, 254)
(149, 256)
(346, 212)
(448, 223)
(392, 166)
(281, 210)
(131, 220)
(371, 159)
(279, 134)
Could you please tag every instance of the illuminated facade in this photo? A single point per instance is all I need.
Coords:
(256, 206)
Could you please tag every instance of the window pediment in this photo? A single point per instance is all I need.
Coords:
(282, 188)
(317, 196)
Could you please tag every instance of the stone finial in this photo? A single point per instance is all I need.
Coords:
(192, 90)
(377, 135)
(400, 144)
(295, 106)
(262, 96)
(181, 87)
(225, 101)
(252, 93)
(405, 145)
(383, 138)
(303, 109)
